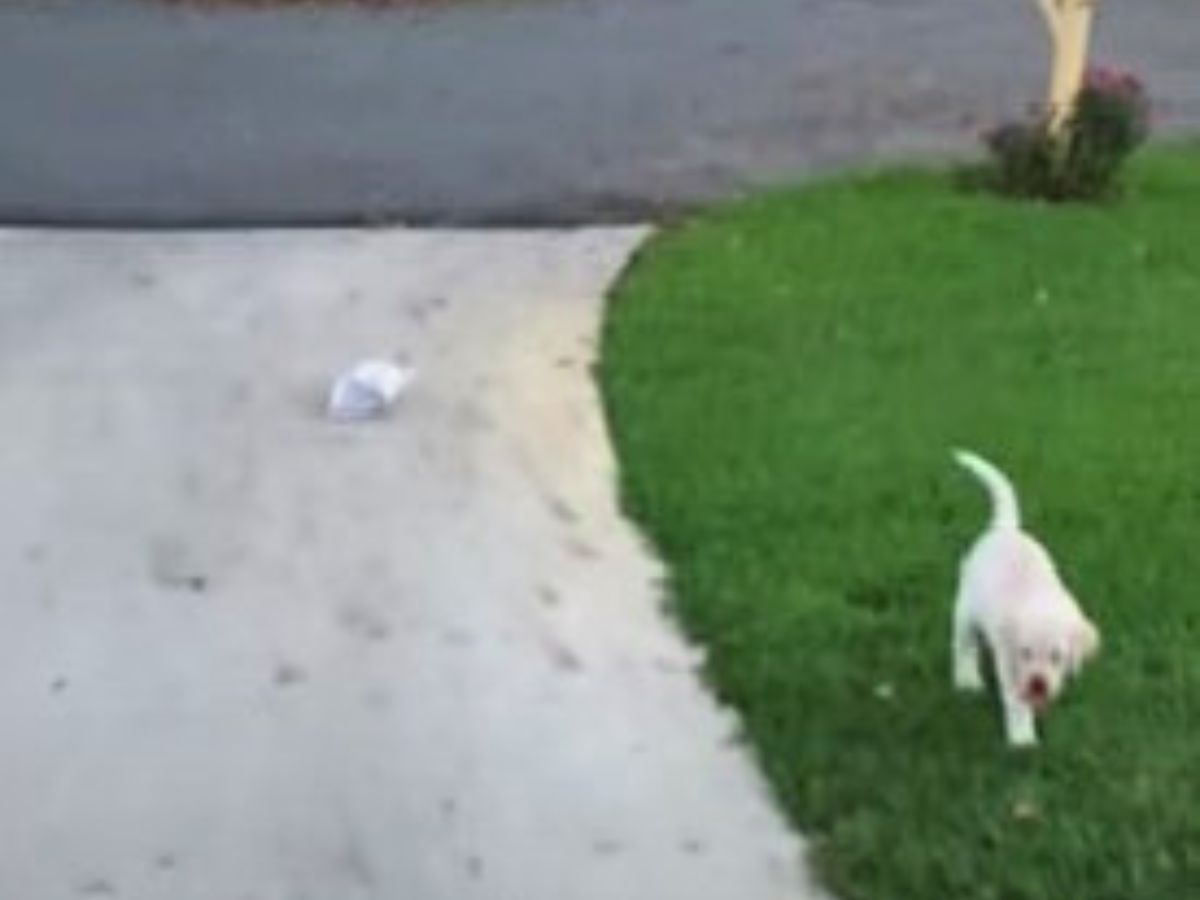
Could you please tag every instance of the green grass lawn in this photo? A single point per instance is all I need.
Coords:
(785, 378)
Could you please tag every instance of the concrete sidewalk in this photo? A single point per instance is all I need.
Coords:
(514, 111)
(247, 654)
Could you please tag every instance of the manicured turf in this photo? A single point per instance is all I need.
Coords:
(785, 379)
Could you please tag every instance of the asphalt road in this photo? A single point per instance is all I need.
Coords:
(130, 112)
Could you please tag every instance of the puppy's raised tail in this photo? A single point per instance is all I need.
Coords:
(1006, 515)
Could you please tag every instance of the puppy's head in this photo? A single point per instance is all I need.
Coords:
(1046, 651)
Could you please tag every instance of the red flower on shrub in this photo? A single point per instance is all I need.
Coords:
(1112, 80)
(1123, 92)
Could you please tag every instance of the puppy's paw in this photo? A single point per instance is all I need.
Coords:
(968, 676)
(968, 679)
(1022, 738)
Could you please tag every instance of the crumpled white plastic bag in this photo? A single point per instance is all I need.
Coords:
(367, 390)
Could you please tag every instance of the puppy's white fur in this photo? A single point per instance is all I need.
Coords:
(1010, 595)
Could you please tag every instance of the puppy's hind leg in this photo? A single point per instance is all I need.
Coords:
(964, 648)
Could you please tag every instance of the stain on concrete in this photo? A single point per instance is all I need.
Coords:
(549, 595)
(378, 699)
(581, 549)
(288, 674)
(458, 637)
(172, 566)
(562, 656)
(356, 864)
(305, 529)
(196, 584)
(671, 666)
(375, 567)
(563, 511)
(191, 483)
(474, 418)
(607, 847)
(98, 887)
(240, 394)
(364, 623)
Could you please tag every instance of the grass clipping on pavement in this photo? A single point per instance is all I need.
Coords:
(785, 378)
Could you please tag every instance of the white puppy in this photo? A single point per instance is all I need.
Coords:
(1010, 595)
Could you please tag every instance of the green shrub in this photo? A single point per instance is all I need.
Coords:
(1110, 120)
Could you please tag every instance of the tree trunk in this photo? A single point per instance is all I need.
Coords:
(1069, 25)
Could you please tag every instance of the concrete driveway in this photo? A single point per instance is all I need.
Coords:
(249, 654)
(130, 111)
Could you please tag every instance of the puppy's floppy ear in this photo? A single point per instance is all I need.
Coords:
(1085, 642)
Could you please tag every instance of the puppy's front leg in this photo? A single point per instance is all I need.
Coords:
(1020, 724)
(964, 648)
